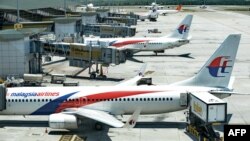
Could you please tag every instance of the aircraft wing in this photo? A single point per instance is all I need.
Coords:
(100, 116)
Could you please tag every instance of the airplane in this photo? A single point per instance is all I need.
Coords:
(152, 15)
(88, 7)
(165, 12)
(154, 5)
(180, 36)
(68, 106)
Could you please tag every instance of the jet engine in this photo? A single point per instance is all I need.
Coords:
(63, 121)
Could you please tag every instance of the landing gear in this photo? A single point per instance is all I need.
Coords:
(98, 126)
(159, 51)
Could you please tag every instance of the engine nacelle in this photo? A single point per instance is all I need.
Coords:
(63, 121)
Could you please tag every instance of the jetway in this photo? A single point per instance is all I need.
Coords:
(84, 56)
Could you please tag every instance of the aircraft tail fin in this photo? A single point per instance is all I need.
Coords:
(218, 69)
(183, 28)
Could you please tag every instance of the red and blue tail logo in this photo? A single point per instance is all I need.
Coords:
(183, 28)
(217, 68)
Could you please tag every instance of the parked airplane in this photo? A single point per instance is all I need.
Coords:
(88, 7)
(154, 5)
(180, 36)
(165, 12)
(67, 106)
(152, 15)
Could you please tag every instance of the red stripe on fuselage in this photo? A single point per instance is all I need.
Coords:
(90, 99)
(128, 42)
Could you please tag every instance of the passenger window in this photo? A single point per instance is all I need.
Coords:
(38, 100)
(167, 99)
(163, 99)
(12, 100)
(155, 99)
(171, 98)
(140, 99)
(145, 99)
(42, 100)
(30, 100)
(128, 99)
(159, 99)
(27, 100)
(132, 99)
(136, 99)
(152, 99)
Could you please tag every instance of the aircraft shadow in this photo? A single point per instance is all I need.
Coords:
(179, 125)
(186, 55)
(97, 78)
(23, 123)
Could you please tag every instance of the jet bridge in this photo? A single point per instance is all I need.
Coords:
(84, 56)
(205, 109)
(2, 97)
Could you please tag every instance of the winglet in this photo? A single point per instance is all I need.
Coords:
(133, 81)
(131, 122)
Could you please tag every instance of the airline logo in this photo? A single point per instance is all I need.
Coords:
(34, 94)
(217, 68)
(183, 28)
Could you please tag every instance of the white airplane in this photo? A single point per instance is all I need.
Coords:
(180, 36)
(88, 7)
(152, 15)
(165, 12)
(154, 5)
(68, 106)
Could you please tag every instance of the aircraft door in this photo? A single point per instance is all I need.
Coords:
(2, 98)
(183, 99)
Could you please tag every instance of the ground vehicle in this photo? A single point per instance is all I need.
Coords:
(58, 78)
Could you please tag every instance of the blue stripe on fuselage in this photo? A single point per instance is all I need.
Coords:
(51, 107)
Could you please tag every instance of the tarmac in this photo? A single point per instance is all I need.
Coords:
(209, 29)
